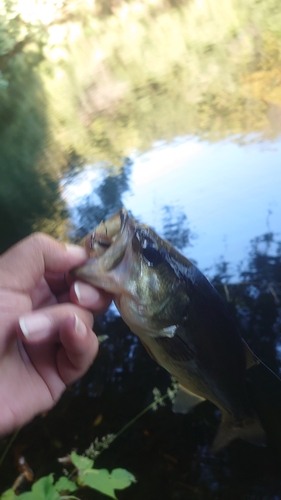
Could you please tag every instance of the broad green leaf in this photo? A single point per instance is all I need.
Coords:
(122, 478)
(100, 480)
(8, 495)
(103, 481)
(80, 462)
(64, 484)
(43, 489)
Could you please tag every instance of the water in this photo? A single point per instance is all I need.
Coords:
(174, 113)
(230, 194)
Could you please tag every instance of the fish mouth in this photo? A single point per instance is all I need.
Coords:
(109, 241)
(107, 233)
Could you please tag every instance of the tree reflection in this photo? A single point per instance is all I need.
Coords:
(175, 227)
(110, 193)
(99, 93)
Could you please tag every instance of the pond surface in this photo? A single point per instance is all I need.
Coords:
(230, 193)
(173, 111)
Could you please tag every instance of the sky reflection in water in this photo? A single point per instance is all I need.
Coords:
(230, 193)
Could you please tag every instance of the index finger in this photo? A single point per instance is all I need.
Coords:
(24, 264)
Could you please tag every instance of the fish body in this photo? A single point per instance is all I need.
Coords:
(180, 318)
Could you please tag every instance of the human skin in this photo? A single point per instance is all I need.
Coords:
(46, 320)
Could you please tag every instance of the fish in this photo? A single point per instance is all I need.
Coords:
(182, 321)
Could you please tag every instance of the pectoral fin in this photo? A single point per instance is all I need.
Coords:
(176, 347)
(185, 400)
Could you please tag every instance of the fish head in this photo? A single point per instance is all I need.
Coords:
(140, 269)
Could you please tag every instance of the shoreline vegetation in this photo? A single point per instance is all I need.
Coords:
(91, 82)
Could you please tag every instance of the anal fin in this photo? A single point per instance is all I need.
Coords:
(185, 400)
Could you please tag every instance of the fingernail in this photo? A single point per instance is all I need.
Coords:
(76, 251)
(36, 325)
(87, 295)
(77, 291)
(80, 328)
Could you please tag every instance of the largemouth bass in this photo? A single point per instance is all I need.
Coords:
(180, 318)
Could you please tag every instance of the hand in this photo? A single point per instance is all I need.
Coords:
(46, 337)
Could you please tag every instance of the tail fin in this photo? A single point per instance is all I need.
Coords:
(249, 430)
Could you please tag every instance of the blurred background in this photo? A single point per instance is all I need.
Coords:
(173, 109)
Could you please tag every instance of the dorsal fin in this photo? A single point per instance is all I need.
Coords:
(251, 358)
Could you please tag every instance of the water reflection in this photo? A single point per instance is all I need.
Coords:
(103, 201)
(228, 193)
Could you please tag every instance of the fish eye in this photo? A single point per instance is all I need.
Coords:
(151, 254)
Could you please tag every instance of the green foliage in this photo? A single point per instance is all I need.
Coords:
(98, 82)
(122, 81)
(29, 188)
(99, 445)
(106, 482)
(19, 40)
(44, 489)
(64, 484)
(99, 479)
(180, 71)
(84, 473)
(8, 495)
(80, 462)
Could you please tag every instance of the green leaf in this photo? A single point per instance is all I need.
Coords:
(28, 495)
(99, 480)
(80, 462)
(122, 478)
(44, 489)
(103, 481)
(8, 495)
(64, 484)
